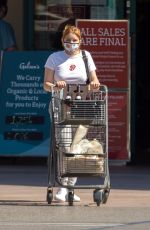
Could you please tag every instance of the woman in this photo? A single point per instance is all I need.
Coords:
(67, 67)
(7, 35)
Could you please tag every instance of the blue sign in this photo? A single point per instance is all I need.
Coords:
(25, 122)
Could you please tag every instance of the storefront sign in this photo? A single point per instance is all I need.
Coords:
(118, 116)
(108, 42)
(25, 126)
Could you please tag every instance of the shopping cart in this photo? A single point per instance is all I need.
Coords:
(79, 140)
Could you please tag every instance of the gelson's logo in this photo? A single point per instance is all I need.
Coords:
(28, 65)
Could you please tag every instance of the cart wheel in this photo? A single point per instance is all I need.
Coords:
(70, 198)
(98, 196)
(49, 195)
(105, 195)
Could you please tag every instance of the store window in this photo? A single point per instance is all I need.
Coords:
(50, 17)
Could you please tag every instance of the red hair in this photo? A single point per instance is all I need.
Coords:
(71, 29)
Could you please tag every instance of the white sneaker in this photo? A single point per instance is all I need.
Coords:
(61, 194)
(75, 198)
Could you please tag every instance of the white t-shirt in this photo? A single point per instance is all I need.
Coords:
(70, 69)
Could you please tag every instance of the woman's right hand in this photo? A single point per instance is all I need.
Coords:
(60, 84)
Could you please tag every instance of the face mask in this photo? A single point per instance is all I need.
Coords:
(71, 47)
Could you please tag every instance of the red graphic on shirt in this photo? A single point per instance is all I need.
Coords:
(72, 67)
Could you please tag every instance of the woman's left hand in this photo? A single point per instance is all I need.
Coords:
(95, 84)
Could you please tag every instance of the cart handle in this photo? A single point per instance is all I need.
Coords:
(52, 86)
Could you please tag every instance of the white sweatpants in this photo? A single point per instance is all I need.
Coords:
(64, 135)
(66, 139)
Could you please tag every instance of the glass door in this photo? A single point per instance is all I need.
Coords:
(47, 18)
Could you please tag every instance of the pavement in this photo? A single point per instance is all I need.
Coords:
(27, 185)
(23, 202)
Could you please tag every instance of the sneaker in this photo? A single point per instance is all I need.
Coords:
(75, 198)
(61, 195)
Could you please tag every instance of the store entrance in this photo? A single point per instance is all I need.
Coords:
(143, 82)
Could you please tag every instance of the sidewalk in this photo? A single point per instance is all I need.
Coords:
(27, 185)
